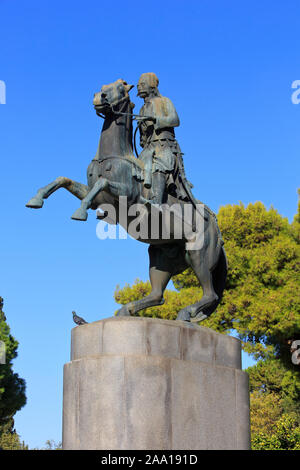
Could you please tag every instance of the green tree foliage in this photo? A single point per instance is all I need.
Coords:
(9, 439)
(275, 405)
(285, 435)
(261, 303)
(272, 377)
(12, 387)
(296, 223)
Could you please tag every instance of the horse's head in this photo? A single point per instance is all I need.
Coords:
(111, 97)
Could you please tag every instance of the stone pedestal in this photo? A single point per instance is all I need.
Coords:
(143, 383)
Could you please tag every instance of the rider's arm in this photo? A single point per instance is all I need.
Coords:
(166, 115)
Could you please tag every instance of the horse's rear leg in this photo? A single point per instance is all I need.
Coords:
(200, 266)
(159, 280)
(78, 189)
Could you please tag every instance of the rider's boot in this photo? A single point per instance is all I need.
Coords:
(146, 157)
(158, 187)
(148, 178)
(158, 190)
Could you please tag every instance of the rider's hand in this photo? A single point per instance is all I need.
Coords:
(146, 118)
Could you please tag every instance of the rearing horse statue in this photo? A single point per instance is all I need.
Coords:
(115, 174)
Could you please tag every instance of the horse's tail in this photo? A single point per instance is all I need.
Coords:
(219, 275)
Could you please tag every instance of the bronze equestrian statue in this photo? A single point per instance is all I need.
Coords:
(156, 183)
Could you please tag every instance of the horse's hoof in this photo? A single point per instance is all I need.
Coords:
(123, 312)
(35, 203)
(184, 315)
(80, 214)
(200, 317)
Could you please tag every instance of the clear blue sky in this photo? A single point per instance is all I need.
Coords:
(227, 66)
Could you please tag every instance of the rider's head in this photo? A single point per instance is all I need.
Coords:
(147, 85)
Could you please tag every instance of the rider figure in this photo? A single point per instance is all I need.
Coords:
(161, 152)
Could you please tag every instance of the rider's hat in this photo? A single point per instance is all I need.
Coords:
(152, 79)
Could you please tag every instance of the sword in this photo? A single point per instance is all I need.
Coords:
(187, 188)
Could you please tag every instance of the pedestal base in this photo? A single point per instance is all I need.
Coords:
(142, 383)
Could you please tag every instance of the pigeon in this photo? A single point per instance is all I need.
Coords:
(78, 320)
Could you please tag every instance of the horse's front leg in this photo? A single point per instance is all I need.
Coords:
(112, 187)
(81, 212)
(78, 189)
